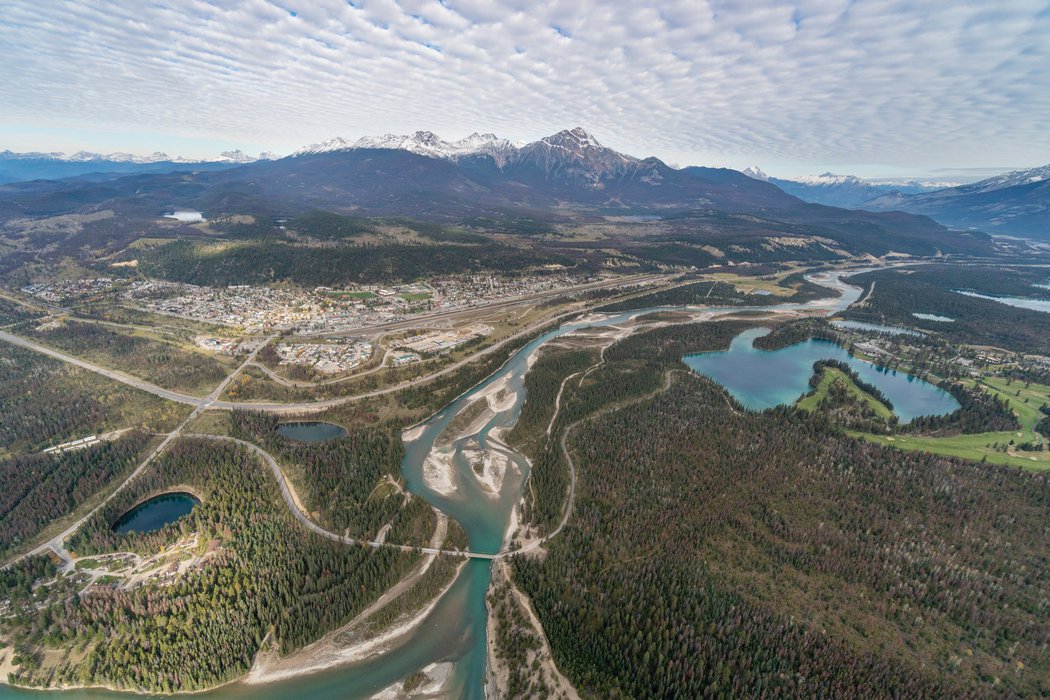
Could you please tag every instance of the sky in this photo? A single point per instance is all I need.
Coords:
(944, 89)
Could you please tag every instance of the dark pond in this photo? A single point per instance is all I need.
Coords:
(156, 512)
(311, 431)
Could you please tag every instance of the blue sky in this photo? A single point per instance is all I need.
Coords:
(949, 90)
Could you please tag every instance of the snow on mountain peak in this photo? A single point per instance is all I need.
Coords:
(1011, 179)
(830, 178)
(236, 156)
(423, 143)
(754, 172)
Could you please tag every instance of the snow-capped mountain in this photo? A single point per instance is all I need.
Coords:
(1010, 179)
(424, 143)
(572, 153)
(835, 190)
(1016, 203)
(16, 167)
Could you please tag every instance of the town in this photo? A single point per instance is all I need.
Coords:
(254, 309)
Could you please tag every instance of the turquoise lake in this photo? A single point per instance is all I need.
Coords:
(761, 379)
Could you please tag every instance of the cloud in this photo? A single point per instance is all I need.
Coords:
(905, 83)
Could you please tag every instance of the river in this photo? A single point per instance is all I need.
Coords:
(454, 631)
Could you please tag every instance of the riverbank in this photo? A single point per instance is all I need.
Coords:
(344, 646)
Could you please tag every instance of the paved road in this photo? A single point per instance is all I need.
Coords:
(110, 373)
(57, 543)
(495, 306)
(285, 407)
(293, 505)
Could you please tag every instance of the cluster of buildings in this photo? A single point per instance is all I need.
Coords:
(64, 291)
(260, 309)
(255, 309)
(325, 358)
(474, 290)
(436, 342)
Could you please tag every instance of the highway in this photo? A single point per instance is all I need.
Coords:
(57, 543)
(302, 406)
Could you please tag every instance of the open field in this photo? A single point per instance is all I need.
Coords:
(1024, 401)
(171, 364)
(830, 376)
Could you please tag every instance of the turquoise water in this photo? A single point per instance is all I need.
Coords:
(455, 629)
(156, 513)
(311, 431)
(933, 317)
(761, 379)
(1020, 302)
(876, 327)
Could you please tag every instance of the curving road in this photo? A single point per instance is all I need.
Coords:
(292, 501)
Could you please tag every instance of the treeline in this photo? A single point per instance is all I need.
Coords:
(844, 409)
(37, 488)
(10, 312)
(18, 579)
(864, 386)
(787, 334)
(337, 478)
(268, 261)
(714, 293)
(707, 293)
(719, 553)
(634, 366)
(901, 293)
(266, 572)
(44, 402)
(542, 383)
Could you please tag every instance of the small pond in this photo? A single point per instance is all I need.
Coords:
(311, 431)
(156, 512)
(761, 379)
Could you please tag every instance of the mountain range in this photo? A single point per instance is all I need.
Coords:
(18, 167)
(847, 191)
(568, 178)
(1015, 203)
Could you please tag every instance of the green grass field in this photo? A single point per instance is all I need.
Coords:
(417, 296)
(828, 377)
(980, 446)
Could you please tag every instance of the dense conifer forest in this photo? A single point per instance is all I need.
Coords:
(268, 261)
(162, 363)
(45, 402)
(715, 552)
(38, 488)
(264, 572)
(341, 479)
(901, 293)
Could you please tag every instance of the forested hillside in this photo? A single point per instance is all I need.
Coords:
(266, 572)
(719, 553)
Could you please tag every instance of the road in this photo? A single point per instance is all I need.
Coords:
(446, 316)
(57, 543)
(284, 407)
(292, 501)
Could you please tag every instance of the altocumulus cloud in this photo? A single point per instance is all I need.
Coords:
(907, 83)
